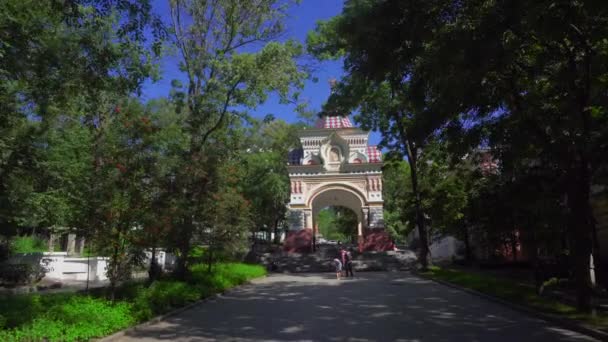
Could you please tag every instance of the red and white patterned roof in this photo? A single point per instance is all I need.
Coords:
(373, 154)
(327, 121)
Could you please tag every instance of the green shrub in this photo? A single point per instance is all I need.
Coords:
(200, 254)
(22, 309)
(197, 252)
(225, 275)
(20, 274)
(126, 291)
(79, 318)
(5, 250)
(163, 296)
(74, 317)
(28, 244)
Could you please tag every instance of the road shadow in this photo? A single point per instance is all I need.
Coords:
(370, 307)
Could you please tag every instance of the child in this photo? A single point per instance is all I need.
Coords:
(338, 266)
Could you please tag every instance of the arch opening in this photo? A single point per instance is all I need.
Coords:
(337, 211)
(336, 224)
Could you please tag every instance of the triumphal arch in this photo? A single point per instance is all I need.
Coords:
(335, 167)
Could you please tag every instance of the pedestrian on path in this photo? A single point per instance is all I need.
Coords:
(343, 257)
(338, 267)
(348, 265)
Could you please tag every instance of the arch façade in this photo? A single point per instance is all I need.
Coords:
(334, 167)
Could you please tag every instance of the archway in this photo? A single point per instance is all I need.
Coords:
(337, 196)
(336, 225)
(335, 167)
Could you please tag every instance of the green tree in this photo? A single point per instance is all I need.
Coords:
(442, 187)
(266, 183)
(57, 60)
(379, 89)
(60, 179)
(397, 197)
(126, 188)
(229, 218)
(498, 71)
(216, 40)
(338, 224)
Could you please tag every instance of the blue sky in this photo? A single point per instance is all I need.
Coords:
(302, 18)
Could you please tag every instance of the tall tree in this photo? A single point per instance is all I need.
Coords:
(231, 60)
(380, 90)
(397, 197)
(265, 158)
(489, 69)
(57, 61)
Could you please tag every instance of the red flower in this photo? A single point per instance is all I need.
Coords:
(117, 109)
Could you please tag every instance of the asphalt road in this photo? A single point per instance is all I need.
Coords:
(371, 307)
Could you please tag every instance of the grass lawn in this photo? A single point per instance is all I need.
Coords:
(78, 317)
(28, 244)
(516, 293)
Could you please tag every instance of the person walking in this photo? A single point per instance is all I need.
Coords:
(348, 263)
(343, 257)
(338, 266)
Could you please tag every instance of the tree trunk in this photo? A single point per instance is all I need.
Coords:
(182, 262)
(181, 268)
(467, 244)
(153, 269)
(86, 289)
(514, 241)
(113, 274)
(580, 227)
(412, 156)
(599, 270)
(276, 231)
(209, 259)
(424, 244)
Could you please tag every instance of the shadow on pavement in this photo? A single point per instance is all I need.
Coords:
(371, 307)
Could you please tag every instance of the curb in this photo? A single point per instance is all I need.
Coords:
(118, 335)
(564, 322)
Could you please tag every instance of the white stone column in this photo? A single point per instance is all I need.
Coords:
(376, 219)
(71, 248)
(80, 242)
(296, 219)
(52, 241)
(365, 211)
(308, 219)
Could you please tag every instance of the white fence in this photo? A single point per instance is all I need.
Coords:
(60, 266)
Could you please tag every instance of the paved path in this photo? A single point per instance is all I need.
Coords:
(372, 307)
